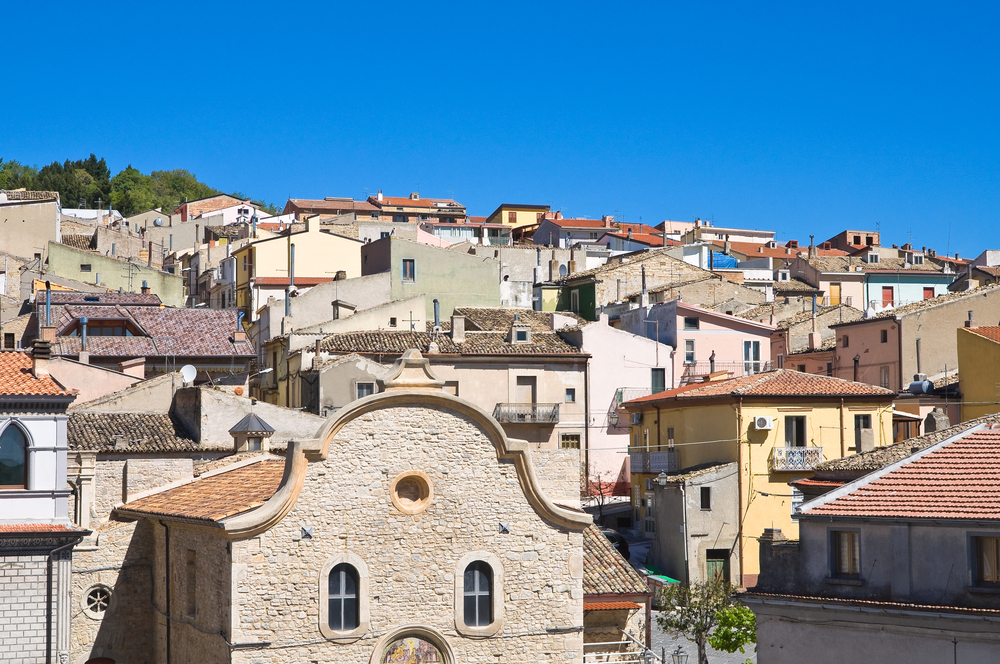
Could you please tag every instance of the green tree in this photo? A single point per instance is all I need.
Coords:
(693, 611)
(14, 175)
(80, 183)
(737, 628)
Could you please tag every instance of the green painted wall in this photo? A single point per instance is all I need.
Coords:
(66, 262)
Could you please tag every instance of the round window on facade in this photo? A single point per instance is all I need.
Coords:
(411, 492)
(97, 600)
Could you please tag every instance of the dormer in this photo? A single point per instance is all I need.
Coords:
(520, 333)
(251, 434)
(871, 257)
(772, 245)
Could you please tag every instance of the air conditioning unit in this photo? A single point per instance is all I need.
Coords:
(762, 423)
(636, 418)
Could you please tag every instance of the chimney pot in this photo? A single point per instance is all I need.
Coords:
(458, 328)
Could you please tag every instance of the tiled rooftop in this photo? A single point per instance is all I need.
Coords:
(13, 528)
(847, 314)
(496, 319)
(934, 301)
(476, 343)
(794, 285)
(447, 205)
(98, 299)
(610, 606)
(778, 383)
(130, 433)
(605, 572)
(17, 379)
(958, 481)
(855, 264)
(991, 332)
(215, 497)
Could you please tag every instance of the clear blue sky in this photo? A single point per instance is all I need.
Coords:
(801, 117)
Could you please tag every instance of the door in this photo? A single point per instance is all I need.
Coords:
(717, 564)
(928, 293)
(525, 393)
(887, 296)
(835, 294)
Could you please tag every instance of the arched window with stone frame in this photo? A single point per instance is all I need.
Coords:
(343, 597)
(479, 593)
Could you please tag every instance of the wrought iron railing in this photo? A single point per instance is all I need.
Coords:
(796, 458)
(623, 394)
(641, 461)
(526, 413)
(694, 371)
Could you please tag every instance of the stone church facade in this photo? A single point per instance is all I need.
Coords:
(411, 529)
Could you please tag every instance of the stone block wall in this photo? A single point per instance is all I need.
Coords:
(116, 479)
(23, 607)
(411, 560)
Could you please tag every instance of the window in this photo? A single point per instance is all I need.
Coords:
(84, 267)
(847, 341)
(751, 358)
(97, 601)
(829, 368)
(570, 395)
(781, 361)
(650, 523)
(846, 553)
(857, 239)
(795, 431)
(569, 441)
(8, 340)
(689, 351)
(425, 217)
(365, 390)
(919, 260)
(797, 499)
(659, 379)
(253, 443)
(884, 336)
(574, 301)
(392, 322)
(342, 598)
(706, 497)
(801, 368)
(409, 270)
(512, 218)
(883, 377)
(987, 550)
(862, 421)
(887, 296)
(521, 335)
(383, 234)
(13, 459)
(478, 594)
(691, 323)
(191, 588)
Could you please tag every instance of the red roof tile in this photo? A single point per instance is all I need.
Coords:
(609, 606)
(17, 379)
(215, 497)
(299, 281)
(779, 383)
(960, 480)
(406, 201)
(37, 528)
(991, 332)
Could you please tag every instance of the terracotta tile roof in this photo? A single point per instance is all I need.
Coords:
(476, 343)
(991, 332)
(905, 606)
(933, 302)
(304, 282)
(497, 319)
(38, 528)
(992, 271)
(883, 456)
(841, 264)
(610, 606)
(214, 497)
(794, 285)
(691, 473)
(636, 257)
(405, 201)
(645, 238)
(778, 383)
(323, 205)
(17, 379)
(98, 299)
(180, 332)
(849, 314)
(960, 480)
(78, 241)
(131, 433)
(605, 572)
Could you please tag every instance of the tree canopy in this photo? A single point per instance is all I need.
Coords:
(87, 183)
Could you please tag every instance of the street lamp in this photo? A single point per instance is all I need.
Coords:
(679, 656)
(263, 371)
(614, 418)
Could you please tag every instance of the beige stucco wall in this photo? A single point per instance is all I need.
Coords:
(91, 381)
(29, 227)
(412, 560)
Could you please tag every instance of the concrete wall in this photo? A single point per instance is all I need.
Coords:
(404, 315)
(457, 280)
(91, 381)
(149, 396)
(29, 227)
(114, 274)
(331, 389)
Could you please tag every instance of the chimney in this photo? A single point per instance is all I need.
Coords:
(340, 276)
(644, 295)
(772, 315)
(41, 353)
(457, 329)
(553, 267)
(145, 288)
(317, 358)
(812, 247)
(559, 214)
(378, 196)
(971, 322)
(83, 333)
(608, 220)
(571, 268)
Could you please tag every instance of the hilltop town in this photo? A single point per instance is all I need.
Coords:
(390, 430)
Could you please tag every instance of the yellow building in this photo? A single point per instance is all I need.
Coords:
(517, 216)
(776, 426)
(264, 267)
(978, 358)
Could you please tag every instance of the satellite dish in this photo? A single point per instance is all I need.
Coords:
(158, 221)
(188, 373)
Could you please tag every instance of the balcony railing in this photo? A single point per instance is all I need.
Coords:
(694, 371)
(526, 413)
(796, 458)
(641, 461)
(623, 394)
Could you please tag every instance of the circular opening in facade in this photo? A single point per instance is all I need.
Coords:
(97, 600)
(411, 492)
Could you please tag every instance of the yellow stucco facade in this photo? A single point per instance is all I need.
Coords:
(516, 216)
(722, 430)
(978, 358)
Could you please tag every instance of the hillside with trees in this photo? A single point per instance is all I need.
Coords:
(87, 183)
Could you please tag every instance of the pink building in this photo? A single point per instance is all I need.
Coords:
(704, 341)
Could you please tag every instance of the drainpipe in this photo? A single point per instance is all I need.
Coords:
(857, 362)
(687, 539)
(918, 359)
(291, 266)
(586, 418)
(48, 596)
(843, 440)
(739, 477)
(437, 313)
(48, 303)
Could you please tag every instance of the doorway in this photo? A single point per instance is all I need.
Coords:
(717, 564)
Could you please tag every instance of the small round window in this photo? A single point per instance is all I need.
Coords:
(411, 492)
(97, 600)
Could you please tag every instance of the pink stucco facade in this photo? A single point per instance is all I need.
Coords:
(739, 346)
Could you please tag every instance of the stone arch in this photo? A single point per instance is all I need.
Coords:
(424, 632)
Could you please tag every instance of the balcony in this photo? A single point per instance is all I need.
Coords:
(623, 394)
(641, 461)
(526, 413)
(795, 458)
(694, 372)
